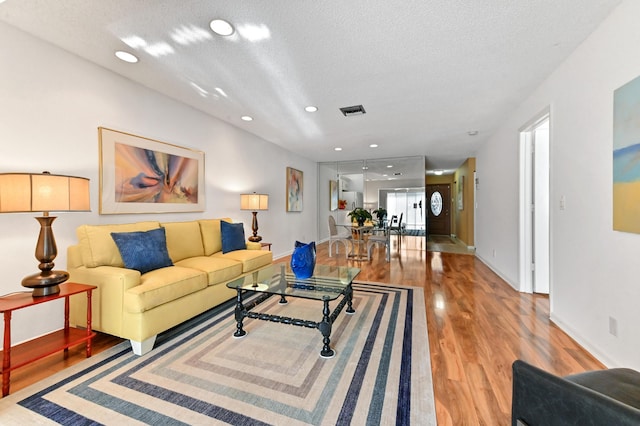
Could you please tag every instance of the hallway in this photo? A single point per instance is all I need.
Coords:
(447, 244)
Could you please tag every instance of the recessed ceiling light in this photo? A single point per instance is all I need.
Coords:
(365, 168)
(389, 166)
(472, 132)
(221, 27)
(126, 56)
(337, 148)
(247, 118)
(310, 108)
(373, 145)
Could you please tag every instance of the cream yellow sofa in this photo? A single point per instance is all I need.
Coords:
(138, 306)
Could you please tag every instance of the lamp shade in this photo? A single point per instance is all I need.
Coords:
(43, 192)
(254, 202)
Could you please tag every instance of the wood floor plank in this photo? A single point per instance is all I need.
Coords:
(477, 323)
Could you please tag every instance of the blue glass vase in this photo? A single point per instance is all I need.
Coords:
(303, 259)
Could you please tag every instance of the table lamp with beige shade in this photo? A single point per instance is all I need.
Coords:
(254, 202)
(44, 192)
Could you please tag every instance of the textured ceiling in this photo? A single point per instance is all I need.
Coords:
(427, 71)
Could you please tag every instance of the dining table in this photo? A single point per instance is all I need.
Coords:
(358, 233)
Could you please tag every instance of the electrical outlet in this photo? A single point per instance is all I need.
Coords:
(613, 326)
(494, 252)
(563, 202)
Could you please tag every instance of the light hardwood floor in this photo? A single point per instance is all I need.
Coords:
(478, 325)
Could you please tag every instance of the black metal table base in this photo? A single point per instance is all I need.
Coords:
(243, 311)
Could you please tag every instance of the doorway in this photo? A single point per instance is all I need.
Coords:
(438, 208)
(534, 205)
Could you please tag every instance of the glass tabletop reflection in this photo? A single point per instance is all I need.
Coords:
(327, 282)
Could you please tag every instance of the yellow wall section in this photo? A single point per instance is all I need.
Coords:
(463, 219)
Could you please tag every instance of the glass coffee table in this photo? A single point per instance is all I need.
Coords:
(327, 283)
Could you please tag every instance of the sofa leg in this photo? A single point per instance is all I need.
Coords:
(141, 348)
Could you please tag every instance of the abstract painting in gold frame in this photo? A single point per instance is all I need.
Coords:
(142, 175)
(295, 187)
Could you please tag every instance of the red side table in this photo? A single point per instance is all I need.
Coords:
(33, 350)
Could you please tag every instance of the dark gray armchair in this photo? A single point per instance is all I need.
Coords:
(604, 397)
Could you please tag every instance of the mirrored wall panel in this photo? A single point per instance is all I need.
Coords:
(395, 184)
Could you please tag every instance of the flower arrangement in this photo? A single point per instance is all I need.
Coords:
(360, 215)
(380, 213)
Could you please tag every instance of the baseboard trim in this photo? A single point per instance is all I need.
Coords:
(579, 339)
(498, 273)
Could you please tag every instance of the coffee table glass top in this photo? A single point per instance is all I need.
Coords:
(327, 282)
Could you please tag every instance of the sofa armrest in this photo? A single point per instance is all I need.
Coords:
(541, 398)
(107, 301)
(253, 246)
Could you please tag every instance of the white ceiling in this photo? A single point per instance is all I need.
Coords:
(426, 71)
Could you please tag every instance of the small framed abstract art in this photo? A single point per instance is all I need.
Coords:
(333, 195)
(141, 175)
(461, 193)
(294, 190)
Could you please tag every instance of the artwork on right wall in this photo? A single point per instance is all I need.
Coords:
(460, 193)
(626, 157)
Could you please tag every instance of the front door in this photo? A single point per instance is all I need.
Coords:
(438, 206)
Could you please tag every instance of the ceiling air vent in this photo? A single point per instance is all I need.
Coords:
(353, 110)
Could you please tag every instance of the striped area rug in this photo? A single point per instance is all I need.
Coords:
(199, 374)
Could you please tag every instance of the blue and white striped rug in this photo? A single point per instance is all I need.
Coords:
(199, 374)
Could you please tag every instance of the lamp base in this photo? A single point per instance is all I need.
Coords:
(255, 238)
(45, 283)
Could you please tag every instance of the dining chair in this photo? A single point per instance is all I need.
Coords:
(397, 228)
(335, 237)
(377, 239)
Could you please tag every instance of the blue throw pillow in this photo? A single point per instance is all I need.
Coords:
(143, 251)
(232, 236)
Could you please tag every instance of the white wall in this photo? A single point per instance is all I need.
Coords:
(594, 270)
(51, 104)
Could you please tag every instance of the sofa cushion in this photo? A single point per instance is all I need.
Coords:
(163, 286)
(232, 236)
(143, 251)
(542, 398)
(217, 269)
(211, 236)
(97, 246)
(250, 259)
(183, 240)
(621, 384)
